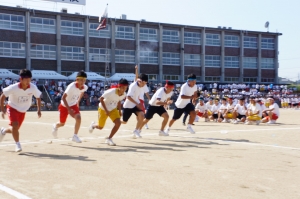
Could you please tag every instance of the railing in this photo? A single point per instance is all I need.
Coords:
(47, 93)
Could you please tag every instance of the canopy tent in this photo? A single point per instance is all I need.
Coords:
(90, 76)
(4, 73)
(118, 76)
(46, 74)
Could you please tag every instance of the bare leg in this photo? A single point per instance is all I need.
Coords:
(140, 118)
(77, 123)
(171, 122)
(14, 130)
(115, 128)
(192, 117)
(165, 121)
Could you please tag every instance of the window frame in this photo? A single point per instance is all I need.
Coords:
(170, 58)
(212, 41)
(12, 23)
(40, 54)
(73, 58)
(192, 38)
(125, 55)
(172, 38)
(119, 32)
(72, 28)
(41, 27)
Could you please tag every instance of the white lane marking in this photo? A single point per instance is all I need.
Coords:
(13, 192)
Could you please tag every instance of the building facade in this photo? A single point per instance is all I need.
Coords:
(63, 42)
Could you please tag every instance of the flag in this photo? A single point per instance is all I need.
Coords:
(102, 20)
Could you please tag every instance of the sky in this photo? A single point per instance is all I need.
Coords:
(283, 17)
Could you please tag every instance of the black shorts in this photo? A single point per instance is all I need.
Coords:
(241, 116)
(127, 112)
(216, 116)
(151, 110)
(179, 111)
(296, 104)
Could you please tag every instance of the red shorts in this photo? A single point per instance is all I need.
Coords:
(274, 116)
(200, 114)
(143, 105)
(63, 112)
(15, 116)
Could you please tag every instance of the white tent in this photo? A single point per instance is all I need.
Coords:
(46, 74)
(4, 73)
(90, 76)
(118, 76)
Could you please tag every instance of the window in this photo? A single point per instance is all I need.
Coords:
(42, 25)
(170, 36)
(71, 28)
(171, 58)
(192, 60)
(192, 38)
(99, 55)
(231, 41)
(250, 79)
(152, 77)
(125, 56)
(232, 62)
(12, 22)
(213, 40)
(250, 42)
(171, 77)
(232, 79)
(250, 62)
(40, 51)
(212, 60)
(148, 34)
(125, 32)
(148, 57)
(212, 79)
(72, 53)
(267, 63)
(12, 49)
(267, 80)
(267, 43)
(103, 33)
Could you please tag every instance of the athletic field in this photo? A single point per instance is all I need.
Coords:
(219, 161)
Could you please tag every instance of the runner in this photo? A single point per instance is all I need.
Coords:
(110, 106)
(69, 105)
(19, 101)
(188, 92)
(161, 98)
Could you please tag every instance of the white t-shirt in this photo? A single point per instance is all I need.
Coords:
(240, 109)
(208, 106)
(134, 92)
(230, 107)
(202, 108)
(161, 95)
(73, 94)
(111, 99)
(255, 108)
(187, 91)
(276, 108)
(146, 90)
(223, 108)
(20, 99)
(215, 108)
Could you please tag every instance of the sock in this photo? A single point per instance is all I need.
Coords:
(189, 125)
(17, 142)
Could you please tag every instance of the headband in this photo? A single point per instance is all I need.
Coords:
(80, 77)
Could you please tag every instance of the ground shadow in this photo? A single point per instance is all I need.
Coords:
(57, 157)
(110, 149)
(228, 140)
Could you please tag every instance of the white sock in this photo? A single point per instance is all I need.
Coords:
(189, 125)
(17, 142)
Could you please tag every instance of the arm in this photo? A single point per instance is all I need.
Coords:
(167, 102)
(2, 99)
(104, 106)
(148, 96)
(71, 112)
(79, 99)
(120, 108)
(136, 73)
(38, 102)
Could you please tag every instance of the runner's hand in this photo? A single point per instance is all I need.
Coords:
(139, 106)
(39, 114)
(71, 112)
(3, 113)
(107, 113)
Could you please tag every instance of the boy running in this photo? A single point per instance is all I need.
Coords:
(183, 104)
(110, 106)
(161, 98)
(19, 101)
(69, 105)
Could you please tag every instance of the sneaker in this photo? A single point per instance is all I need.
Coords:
(235, 122)
(167, 131)
(224, 121)
(91, 129)
(54, 130)
(189, 129)
(136, 134)
(247, 123)
(146, 126)
(18, 147)
(271, 122)
(257, 122)
(2, 134)
(183, 124)
(162, 133)
(76, 139)
(109, 142)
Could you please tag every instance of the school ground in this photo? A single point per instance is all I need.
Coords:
(219, 161)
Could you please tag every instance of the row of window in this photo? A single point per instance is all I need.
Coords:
(42, 51)
(45, 25)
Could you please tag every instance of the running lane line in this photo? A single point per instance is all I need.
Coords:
(13, 192)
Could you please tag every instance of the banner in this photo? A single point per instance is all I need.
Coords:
(77, 2)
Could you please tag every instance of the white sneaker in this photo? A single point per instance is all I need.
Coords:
(91, 129)
(54, 130)
(224, 121)
(247, 123)
(109, 142)
(76, 139)
(146, 126)
(18, 147)
(167, 130)
(136, 134)
(271, 122)
(257, 122)
(235, 122)
(162, 133)
(2, 134)
(189, 129)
